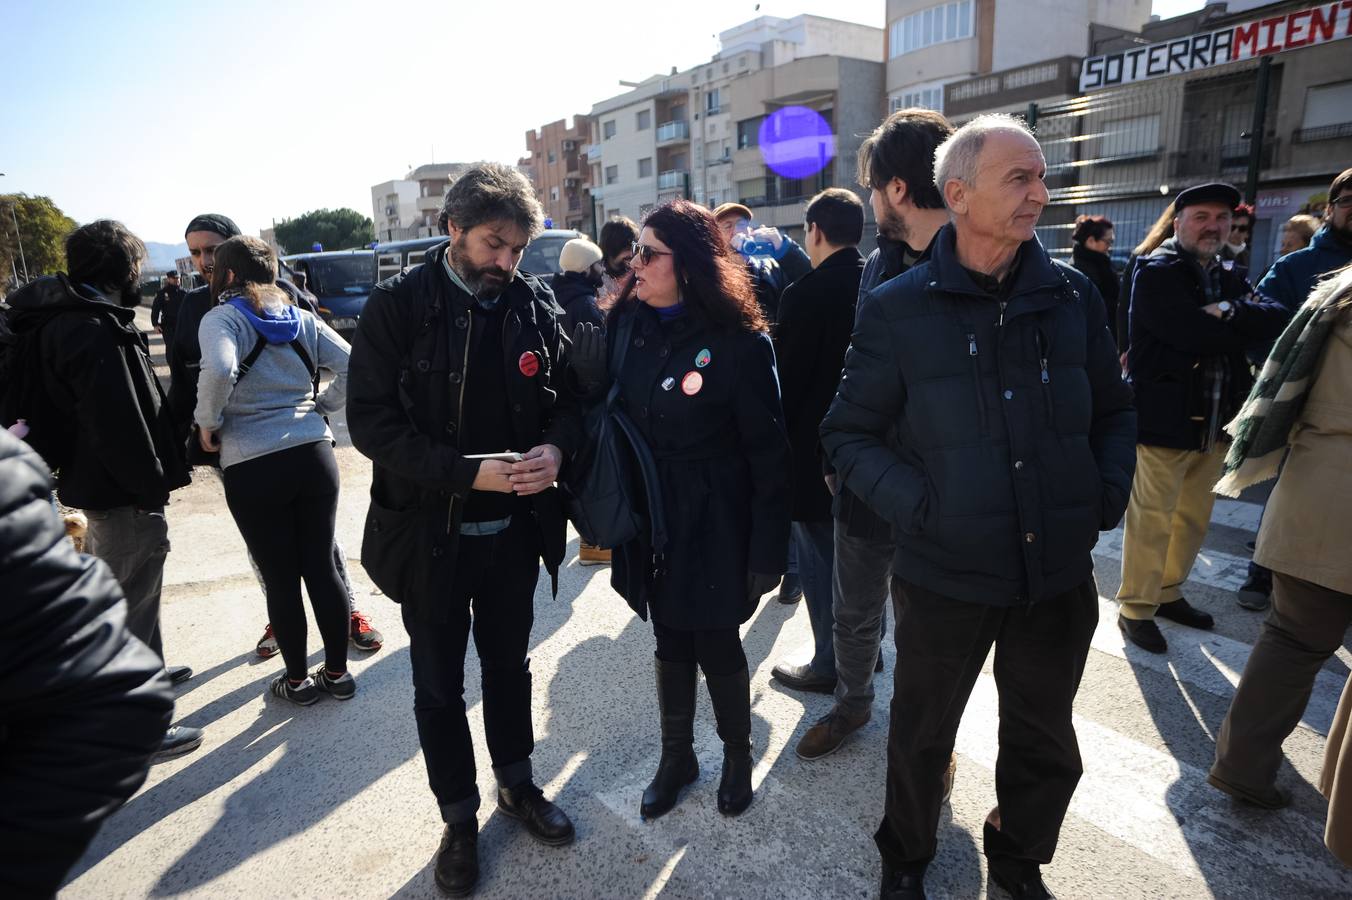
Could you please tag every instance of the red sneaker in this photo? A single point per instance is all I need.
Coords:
(364, 637)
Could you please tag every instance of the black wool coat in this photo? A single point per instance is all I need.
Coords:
(1098, 268)
(707, 402)
(816, 318)
(995, 434)
(404, 411)
(1172, 341)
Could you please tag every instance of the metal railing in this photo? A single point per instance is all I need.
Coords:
(678, 130)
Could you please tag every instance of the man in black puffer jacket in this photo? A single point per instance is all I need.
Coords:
(576, 288)
(983, 415)
(83, 704)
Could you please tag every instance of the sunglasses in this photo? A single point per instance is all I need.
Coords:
(646, 253)
(1343, 202)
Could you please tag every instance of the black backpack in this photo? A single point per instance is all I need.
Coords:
(24, 393)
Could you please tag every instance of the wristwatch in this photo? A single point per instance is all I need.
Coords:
(1227, 309)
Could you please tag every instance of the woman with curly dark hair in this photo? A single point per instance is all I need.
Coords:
(697, 376)
(1092, 242)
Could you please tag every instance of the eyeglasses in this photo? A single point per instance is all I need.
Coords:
(646, 253)
(1343, 202)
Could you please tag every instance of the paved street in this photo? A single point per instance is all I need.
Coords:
(331, 800)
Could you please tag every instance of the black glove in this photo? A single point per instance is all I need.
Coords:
(758, 585)
(588, 356)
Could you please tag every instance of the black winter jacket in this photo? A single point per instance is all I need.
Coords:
(716, 432)
(164, 308)
(1098, 268)
(405, 393)
(576, 296)
(771, 277)
(1172, 341)
(997, 437)
(816, 318)
(83, 704)
(886, 262)
(97, 371)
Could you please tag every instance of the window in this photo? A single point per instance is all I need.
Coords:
(748, 132)
(1328, 104)
(645, 167)
(1130, 137)
(612, 174)
(554, 194)
(928, 96)
(936, 25)
(643, 120)
(552, 158)
(607, 130)
(711, 104)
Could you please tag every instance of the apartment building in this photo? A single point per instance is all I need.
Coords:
(675, 135)
(556, 162)
(931, 45)
(394, 210)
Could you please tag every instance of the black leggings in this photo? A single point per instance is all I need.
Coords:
(285, 504)
(717, 650)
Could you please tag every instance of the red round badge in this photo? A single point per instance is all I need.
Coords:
(529, 364)
(691, 383)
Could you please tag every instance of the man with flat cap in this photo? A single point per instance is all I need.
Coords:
(770, 275)
(1190, 321)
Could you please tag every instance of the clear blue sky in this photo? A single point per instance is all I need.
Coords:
(151, 112)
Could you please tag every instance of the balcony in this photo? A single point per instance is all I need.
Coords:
(593, 152)
(673, 132)
(1323, 133)
(672, 180)
(429, 204)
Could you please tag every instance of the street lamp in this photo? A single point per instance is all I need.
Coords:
(18, 237)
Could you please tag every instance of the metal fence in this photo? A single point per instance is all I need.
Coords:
(1125, 153)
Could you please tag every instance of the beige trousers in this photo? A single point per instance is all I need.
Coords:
(1166, 522)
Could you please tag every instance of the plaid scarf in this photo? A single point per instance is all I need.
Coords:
(1262, 430)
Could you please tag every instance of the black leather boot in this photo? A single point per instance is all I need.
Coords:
(457, 862)
(731, 695)
(678, 766)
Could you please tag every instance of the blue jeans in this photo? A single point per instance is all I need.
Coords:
(815, 545)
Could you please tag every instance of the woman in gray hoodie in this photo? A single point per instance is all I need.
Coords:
(281, 478)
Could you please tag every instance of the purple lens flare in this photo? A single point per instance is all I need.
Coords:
(796, 142)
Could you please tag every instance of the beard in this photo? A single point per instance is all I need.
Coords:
(486, 280)
(893, 227)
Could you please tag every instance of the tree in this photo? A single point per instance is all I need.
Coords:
(336, 229)
(42, 235)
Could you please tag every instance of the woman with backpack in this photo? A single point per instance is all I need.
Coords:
(259, 404)
(696, 375)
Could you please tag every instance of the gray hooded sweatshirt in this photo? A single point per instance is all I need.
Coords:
(270, 408)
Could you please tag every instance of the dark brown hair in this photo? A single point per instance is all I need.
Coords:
(104, 254)
(254, 266)
(616, 236)
(1342, 183)
(903, 147)
(714, 282)
(1087, 227)
(838, 215)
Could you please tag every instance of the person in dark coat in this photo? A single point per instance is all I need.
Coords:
(698, 379)
(816, 316)
(983, 415)
(896, 164)
(460, 357)
(1192, 319)
(164, 311)
(83, 704)
(1161, 231)
(771, 274)
(576, 288)
(1093, 240)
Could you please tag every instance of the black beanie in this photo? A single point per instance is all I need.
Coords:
(216, 222)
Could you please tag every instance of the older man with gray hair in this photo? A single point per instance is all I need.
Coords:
(455, 392)
(983, 414)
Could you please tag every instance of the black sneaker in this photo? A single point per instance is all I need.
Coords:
(457, 862)
(1255, 594)
(790, 590)
(1144, 633)
(178, 740)
(1184, 613)
(178, 674)
(302, 694)
(340, 688)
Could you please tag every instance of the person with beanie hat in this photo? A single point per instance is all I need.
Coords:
(577, 286)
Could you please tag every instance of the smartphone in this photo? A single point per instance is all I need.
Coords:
(506, 456)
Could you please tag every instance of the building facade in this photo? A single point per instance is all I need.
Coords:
(394, 210)
(677, 135)
(930, 45)
(556, 162)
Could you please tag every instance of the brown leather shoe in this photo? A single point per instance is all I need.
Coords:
(591, 555)
(831, 730)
